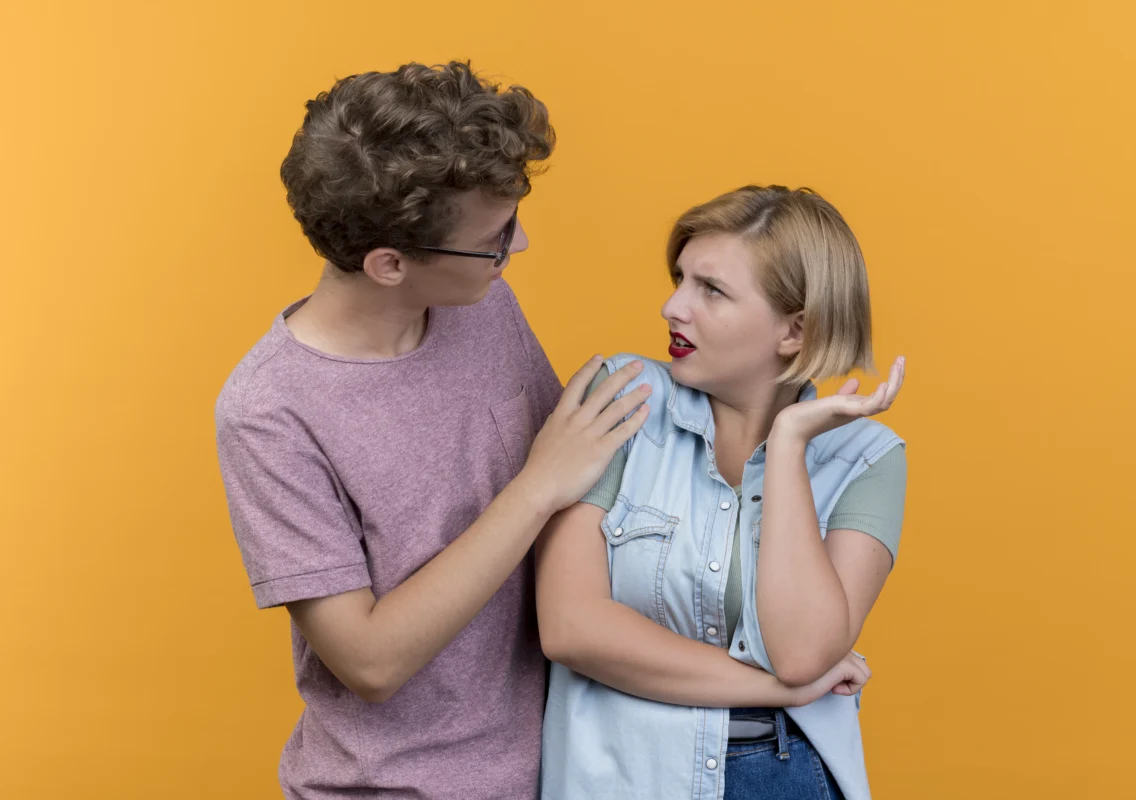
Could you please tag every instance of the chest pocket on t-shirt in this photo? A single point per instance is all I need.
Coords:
(639, 541)
(515, 427)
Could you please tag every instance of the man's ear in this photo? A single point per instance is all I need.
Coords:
(385, 266)
(794, 336)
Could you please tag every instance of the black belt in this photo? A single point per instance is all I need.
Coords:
(759, 724)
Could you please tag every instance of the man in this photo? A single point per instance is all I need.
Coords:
(375, 444)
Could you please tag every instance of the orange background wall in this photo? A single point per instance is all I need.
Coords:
(983, 152)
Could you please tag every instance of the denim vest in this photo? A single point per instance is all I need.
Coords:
(669, 540)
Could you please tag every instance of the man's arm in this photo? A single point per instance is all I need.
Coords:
(374, 647)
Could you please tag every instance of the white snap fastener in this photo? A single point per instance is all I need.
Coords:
(617, 532)
(711, 763)
(725, 506)
(711, 631)
(715, 566)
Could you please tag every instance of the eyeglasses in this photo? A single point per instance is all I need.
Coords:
(504, 242)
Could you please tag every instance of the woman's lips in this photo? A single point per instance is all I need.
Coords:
(680, 346)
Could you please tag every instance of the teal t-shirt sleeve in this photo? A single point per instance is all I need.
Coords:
(605, 491)
(873, 503)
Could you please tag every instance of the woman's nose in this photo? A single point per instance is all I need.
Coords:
(673, 309)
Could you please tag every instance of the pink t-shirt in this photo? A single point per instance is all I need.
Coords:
(347, 473)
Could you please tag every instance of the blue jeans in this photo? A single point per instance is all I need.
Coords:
(784, 768)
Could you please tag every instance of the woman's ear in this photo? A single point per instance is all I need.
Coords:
(793, 335)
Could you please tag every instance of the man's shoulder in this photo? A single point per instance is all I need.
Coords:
(254, 385)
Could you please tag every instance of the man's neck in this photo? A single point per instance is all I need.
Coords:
(348, 315)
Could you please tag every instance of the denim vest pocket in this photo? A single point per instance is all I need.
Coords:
(637, 522)
(639, 539)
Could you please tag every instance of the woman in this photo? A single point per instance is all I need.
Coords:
(686, 666)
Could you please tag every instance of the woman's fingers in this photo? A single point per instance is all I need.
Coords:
(895, 381)
(884, 395)
(850, 386)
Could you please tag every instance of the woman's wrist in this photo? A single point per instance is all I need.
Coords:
(784, 440)
(772, 693)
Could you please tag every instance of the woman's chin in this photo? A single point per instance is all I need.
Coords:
(682, 373)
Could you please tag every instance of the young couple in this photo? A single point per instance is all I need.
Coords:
(397, 443)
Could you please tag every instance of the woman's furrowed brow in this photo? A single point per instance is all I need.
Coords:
(709, 280)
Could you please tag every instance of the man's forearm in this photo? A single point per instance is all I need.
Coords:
(417, 619)
(375, 647)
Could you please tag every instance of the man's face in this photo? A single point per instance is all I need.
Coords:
(449, 280)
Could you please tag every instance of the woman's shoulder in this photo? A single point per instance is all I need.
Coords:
(657, 375)
(861, 438)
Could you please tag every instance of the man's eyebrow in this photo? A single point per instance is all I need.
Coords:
(491, 238)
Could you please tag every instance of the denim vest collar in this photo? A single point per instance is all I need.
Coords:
(690, 410)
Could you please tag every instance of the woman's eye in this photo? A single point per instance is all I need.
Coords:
(712, 290)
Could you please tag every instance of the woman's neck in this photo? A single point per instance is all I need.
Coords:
(742, 422)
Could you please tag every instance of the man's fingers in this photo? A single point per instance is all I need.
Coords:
(578, 384)
(628, 428)
(622, 407)
(611, 386)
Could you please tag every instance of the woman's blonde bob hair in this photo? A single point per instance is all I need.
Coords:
(805, 258)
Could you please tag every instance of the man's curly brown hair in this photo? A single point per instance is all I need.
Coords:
(381, 156)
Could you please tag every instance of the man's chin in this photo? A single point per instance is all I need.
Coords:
(478, 295)
(468, 297)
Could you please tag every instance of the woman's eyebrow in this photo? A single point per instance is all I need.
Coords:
(698, 275)
(707, 280)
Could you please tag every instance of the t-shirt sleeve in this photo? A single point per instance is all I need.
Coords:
(292, 519)
(605, 491)
(541, 379)
(873, 503)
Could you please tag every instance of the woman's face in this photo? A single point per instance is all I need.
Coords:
(724, 333)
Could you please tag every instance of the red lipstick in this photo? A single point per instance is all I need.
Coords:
(680, 347)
